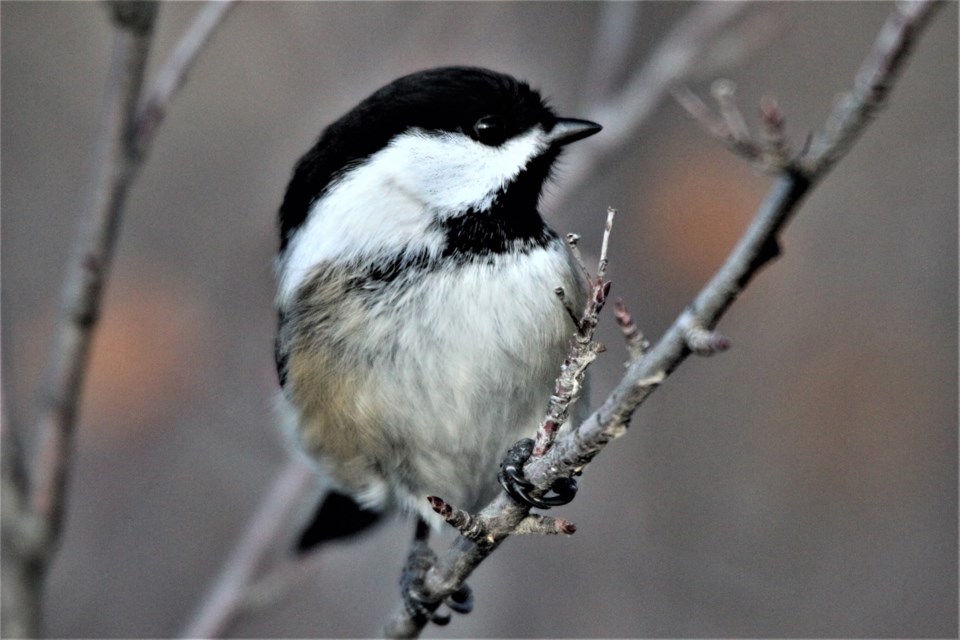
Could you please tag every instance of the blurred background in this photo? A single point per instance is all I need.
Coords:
(802, 484)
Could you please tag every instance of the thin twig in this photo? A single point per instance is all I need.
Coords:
(729, 128)
(637, 343)
(605, 244)
(573, 241)
(724, 92)
(583, 351)
(573, 450)
(672, 60)
(773, 139)
(457, 518)
(538, 524)
(504, 516)
(153, 107)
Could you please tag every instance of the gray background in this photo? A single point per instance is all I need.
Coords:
(803, 484)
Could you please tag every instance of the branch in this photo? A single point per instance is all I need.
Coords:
(33, 503)
(616, 32)
(34, 489)
(18, 573)
(692, 330)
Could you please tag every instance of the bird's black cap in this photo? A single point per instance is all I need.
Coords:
(449, 99)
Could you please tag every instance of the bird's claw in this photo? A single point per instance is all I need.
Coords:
(419, 608)
(460, 601)
(519, 488)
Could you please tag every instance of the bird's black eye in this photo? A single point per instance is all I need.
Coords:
(489, 130)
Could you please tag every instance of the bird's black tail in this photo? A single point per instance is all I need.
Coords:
(338, 516)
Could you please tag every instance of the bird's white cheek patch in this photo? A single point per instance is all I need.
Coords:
(451, 172)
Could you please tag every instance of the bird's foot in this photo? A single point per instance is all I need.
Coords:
(520, 489)
(418, 606)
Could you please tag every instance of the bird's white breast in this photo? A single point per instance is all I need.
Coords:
(462, 366)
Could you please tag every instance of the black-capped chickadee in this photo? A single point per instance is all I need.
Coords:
(420, 330)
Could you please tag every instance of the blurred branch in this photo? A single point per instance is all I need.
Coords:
(755, 31)
(616, 34)
(692, 331)
(153, 107)
(34, 487)
(30, 534)
(18, 569)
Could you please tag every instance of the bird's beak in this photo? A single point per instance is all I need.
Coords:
(567, 130)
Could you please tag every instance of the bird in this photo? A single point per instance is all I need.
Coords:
(420, 329)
